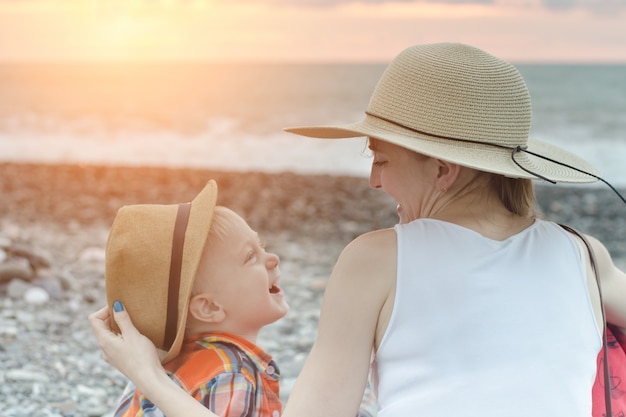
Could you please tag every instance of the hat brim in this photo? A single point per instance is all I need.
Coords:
(479, 156)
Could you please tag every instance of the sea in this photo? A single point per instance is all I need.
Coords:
(230, 116)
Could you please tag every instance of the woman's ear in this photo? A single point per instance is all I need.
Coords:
(447, 175)
(205, 308)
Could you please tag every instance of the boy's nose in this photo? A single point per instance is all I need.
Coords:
(272, 261)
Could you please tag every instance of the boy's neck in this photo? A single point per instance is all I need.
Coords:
(203, 328)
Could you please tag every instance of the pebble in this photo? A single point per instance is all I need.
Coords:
(52, 285)
(17, 288)
(19, 268)
(92, 254)
(8, 328)
(36, 296)
(50, 364)
(26, 375)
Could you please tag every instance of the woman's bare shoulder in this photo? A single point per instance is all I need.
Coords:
(372, 254)
(382, 239)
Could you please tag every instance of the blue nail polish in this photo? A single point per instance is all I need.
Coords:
(118, 306)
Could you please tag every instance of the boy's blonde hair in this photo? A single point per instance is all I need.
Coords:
(219, 225)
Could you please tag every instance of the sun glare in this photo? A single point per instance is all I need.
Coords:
(142, 30)
(169, 28)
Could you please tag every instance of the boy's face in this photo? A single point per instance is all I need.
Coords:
(242, 278)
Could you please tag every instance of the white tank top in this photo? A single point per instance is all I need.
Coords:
(485, 328)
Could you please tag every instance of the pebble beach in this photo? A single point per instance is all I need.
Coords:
(54, 222)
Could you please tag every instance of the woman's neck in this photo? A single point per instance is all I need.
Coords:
(476, 206)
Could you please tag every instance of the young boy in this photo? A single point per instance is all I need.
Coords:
(198, 282)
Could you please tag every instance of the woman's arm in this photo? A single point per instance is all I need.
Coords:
(136, 357)
(335, 374)
(333, 379)
(613, 282)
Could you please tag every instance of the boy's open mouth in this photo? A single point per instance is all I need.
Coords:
(274, 289)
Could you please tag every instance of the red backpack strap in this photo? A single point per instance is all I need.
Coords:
(594, 267)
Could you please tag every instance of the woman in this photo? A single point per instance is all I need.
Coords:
(471, 305)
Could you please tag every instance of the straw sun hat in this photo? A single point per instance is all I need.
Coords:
(152, 256)
(460, 104)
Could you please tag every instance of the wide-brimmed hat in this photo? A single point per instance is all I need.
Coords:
(460, 104)
(152, 257)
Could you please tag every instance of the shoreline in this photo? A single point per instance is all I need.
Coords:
(307, 206)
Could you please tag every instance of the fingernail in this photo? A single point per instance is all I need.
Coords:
(118, 306)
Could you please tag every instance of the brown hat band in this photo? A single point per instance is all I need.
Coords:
(513, 149)
(178, 242)
(421, 132)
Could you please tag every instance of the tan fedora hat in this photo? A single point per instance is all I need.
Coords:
(460, 104)
(152, 256)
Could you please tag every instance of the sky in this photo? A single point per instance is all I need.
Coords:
(308, 30)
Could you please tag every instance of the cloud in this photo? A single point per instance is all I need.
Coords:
(601, 7)
(325, 3)
(559, 4)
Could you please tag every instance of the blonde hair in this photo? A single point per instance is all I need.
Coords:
(517, 194)
(220, 225)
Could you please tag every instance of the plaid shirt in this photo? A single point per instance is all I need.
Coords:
(229, 375)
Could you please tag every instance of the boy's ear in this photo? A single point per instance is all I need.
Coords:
(204, 308)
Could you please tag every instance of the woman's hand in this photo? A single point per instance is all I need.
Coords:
(130, 352)
(135, 356)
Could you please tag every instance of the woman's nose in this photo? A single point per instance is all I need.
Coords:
(374, 178)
